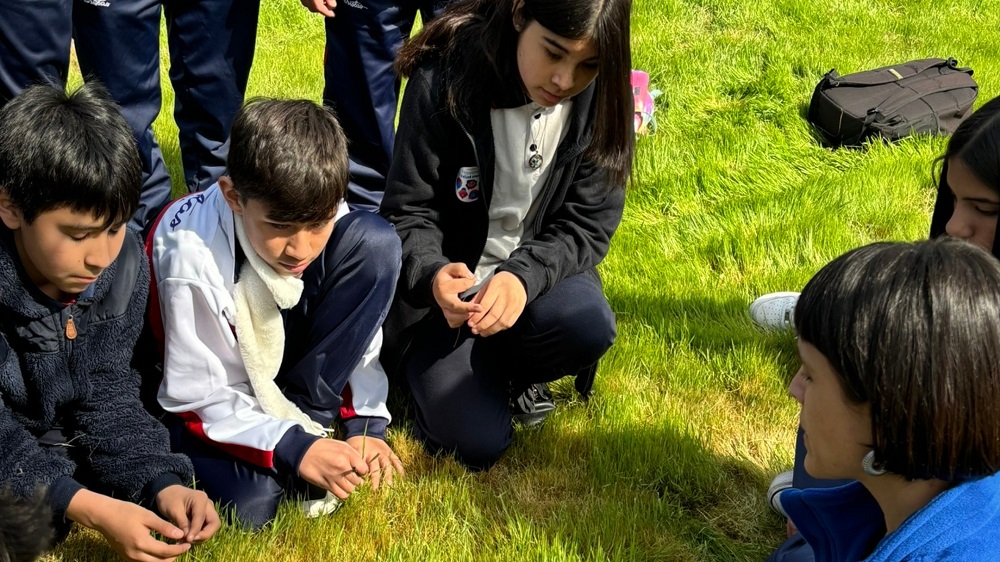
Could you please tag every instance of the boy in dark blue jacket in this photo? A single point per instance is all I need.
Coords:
(73, 288)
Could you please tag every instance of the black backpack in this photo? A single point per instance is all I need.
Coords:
(921, 96)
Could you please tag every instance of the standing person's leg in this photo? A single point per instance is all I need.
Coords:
(361, 86)
(211, 50)
(430, 9)
(119, 44)
(347, 294)
(34, 44)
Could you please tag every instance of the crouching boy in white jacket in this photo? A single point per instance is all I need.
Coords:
(268, 298)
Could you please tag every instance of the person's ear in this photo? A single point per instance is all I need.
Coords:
(518, 15)
(230, 195)
(9, 213)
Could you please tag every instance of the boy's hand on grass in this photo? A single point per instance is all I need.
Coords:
(191, 511)
(127, 527)
(503, 298)
(334, 466)
(449, 282)
(380, 458)
(324, 7)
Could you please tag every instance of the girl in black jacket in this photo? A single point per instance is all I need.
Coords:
(507, 182)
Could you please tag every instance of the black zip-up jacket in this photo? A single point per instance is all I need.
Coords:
(578, 212)
(50, 377)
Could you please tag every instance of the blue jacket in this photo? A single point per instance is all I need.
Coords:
(845, 524)
(83, 383)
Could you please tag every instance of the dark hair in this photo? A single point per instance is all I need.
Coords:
(913, 331)
(976, 142)
(290, 155)
(478, 42)
(69, 150)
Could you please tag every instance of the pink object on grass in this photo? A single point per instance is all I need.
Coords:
(644, 106)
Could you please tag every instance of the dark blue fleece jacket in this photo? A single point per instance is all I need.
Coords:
(84, 383)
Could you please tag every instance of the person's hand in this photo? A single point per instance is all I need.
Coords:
(324, 7)
(334, 466)
(450, 281)
(127, 527)
(190, 510)
(379, 457)
(503, 298)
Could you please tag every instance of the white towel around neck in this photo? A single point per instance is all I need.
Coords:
(259, 296)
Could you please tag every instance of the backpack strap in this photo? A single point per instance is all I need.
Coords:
(920, 89)
(888, 74)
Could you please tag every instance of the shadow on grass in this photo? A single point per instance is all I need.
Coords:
(595, 483)
(635, 493)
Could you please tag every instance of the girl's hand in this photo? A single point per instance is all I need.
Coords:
(502, 299)
(379, 457)
(324, 7)
(191, 511)
(450, 281)
(334, 466)
(127, 527)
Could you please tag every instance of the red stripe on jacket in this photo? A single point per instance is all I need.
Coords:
(254, 456)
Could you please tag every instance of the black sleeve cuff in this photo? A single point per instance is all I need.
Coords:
(158, 484)
(291, 448)
(363, 425)
(532, 286)
(61, 492)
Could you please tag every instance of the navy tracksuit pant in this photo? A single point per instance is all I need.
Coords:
(796, 549)
(462, 384)
(347, 294)
(361, 86)
(117, 41)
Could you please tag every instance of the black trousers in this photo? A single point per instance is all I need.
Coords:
(462, 384)
(361, 86)
(211, 49)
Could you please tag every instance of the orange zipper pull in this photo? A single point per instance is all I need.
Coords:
(70, 329)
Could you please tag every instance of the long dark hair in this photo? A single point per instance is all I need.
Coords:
(976, 142)
(912, 330)
(478, 42)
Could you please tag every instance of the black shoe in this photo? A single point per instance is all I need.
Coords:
(533, 405)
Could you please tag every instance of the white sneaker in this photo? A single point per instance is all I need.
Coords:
(775, 311)
(780, 483)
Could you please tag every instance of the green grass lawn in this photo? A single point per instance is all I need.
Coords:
(732, 197)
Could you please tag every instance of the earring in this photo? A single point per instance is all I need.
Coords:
(869, 466)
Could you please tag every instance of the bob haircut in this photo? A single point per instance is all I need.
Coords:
(290, 155)
(913, 330)
(478, 43)
(976, 142)
(75, 151)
